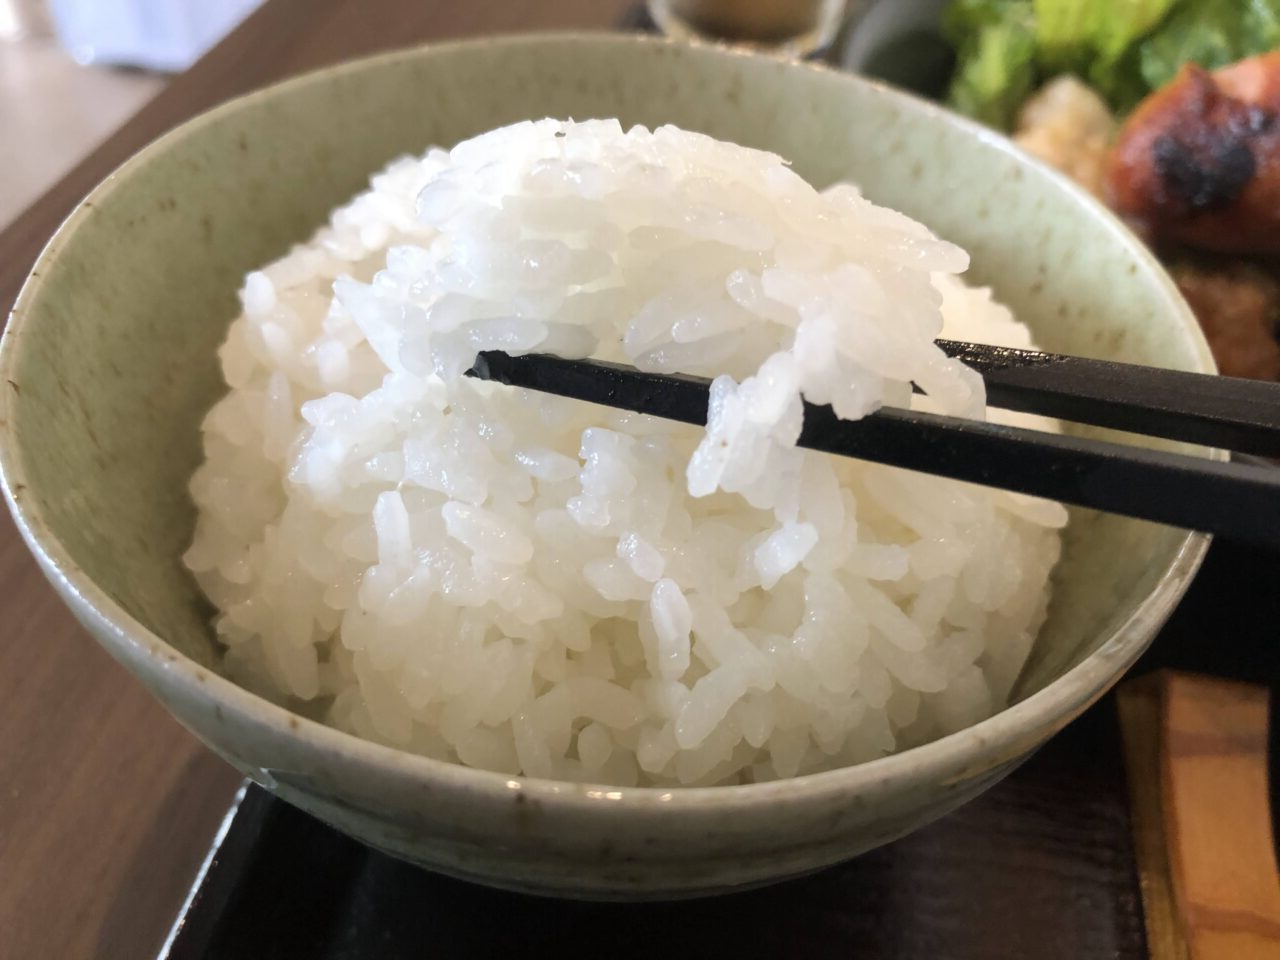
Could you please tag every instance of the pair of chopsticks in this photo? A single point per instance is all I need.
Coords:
(1236, 500)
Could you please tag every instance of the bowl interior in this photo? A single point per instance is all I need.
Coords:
(111, 358)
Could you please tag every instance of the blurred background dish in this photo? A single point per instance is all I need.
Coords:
(900, 42)
(1167, 110)
(792, 27)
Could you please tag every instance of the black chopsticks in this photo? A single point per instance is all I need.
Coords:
(1225, 412)
(1240, 501)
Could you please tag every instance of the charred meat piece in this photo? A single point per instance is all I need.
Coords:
(1238, 306)
(1199, 161)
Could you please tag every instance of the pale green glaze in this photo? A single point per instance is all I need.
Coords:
(110, 358)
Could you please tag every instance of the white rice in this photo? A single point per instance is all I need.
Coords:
(534, 585)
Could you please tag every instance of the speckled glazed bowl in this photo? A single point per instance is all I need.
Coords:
(109, 363)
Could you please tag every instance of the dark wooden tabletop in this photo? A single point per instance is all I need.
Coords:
(106, 804)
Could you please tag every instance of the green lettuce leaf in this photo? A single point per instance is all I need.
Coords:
(1065, 31)
(995, 58)
(964, 17)
(1105, 29)
(1119, 82)
(1124, 48)
(1211, 33)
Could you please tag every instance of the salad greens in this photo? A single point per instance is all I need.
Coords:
(1212, 33)
(995, 57)
(1124, 48)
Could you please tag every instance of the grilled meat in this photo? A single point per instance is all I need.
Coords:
(1238, 306)
(1199, 161)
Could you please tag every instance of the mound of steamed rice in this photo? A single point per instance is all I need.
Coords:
(534, 585)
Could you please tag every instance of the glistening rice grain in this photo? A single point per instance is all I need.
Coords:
(534, 585)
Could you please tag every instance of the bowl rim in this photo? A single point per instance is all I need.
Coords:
(1013, 731)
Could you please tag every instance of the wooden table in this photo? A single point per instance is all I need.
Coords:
(106, 804)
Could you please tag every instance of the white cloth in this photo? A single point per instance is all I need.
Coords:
(167, 35)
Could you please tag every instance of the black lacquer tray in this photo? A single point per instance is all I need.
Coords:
(1040, 867)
